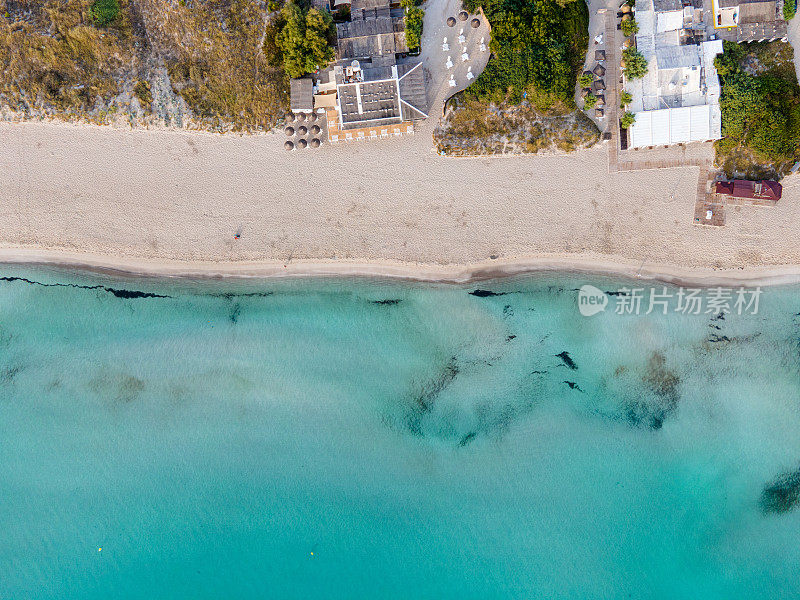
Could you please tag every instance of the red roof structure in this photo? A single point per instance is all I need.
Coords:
(751, 190)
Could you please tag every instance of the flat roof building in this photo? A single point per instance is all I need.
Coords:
(750, 190)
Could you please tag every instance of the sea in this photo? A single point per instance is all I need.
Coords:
(365, 438)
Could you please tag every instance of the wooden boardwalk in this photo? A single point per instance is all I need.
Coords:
(612, 81)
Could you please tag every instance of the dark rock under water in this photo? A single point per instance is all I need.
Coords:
(564, 356)
(486, 293)
(783, 494)
(389, 302)
(119, 293)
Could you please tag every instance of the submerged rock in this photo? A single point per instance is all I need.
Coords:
(485, 293)
(783, 494)
(564, 356)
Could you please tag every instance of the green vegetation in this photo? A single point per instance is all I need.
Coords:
(104, 12)
(413, 21)
(627, 119)
(635, 63)
(143, 93)
(629, 27)
(585, 80)
(305, 39)
(590, 101)
(625, 98)
(538, 49)
(789, 9)
(760, 109)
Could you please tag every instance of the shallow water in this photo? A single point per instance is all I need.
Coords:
(349, 439)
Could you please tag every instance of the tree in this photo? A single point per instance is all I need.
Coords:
(629, 28)
(589, 101)
(304, 40)
(789, 8)
(635, 64)
(625, 98)
(627, 120)
(585, 80)
(104, 12)
(414, 18)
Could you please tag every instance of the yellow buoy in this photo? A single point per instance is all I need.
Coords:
(99, 549)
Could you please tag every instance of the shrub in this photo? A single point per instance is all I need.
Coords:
(589, 102)
(304, 39)
(625, 98)
(789, 8)
(414, 18)
(104, 12)
(585, 80)
(627, 120)
(629, 28)
(635, 64)
(143, 93)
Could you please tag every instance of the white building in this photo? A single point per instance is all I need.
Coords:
(677, 101)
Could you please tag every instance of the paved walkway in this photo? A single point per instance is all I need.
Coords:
(612, 81)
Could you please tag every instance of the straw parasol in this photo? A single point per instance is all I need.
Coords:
(625, 8)
(463, 15)
(451, 21)
(315, 143)
(312, 117)
(315, 129)
(302, 144)
(300, 117)
(288, 145)
(475, 23)
(302, 130)
(289, 117)
(289, 131)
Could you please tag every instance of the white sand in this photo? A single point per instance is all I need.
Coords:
(170, 202)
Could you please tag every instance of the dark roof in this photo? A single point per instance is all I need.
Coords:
(661, 5)
(379, 103)
(301, 92)
(598, 85)
(412, 91)
(374, 32)
(599, 54)
(358, 5)
(757, 190)
(757, 12)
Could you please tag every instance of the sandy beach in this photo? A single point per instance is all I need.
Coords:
(170, 202)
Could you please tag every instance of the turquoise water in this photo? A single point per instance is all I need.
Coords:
(309, 439)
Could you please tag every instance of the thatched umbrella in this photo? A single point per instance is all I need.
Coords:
(312, 117)
(289, 117)
(451, 21)
(301, 144)
(301, 117)
(599, 70)
(475, 23)
(599, 55)
(315, 143)
(627, 17)
(302, 130)
(625, 8)
(315, 129)
(288, 145)
(289, 131)
(463, 15)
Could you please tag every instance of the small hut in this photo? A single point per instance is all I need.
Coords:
(302, 130)
(598, 85)
(315, 143)
(599, 55)
(288, 145)
(451, 21)
(599, 70)
(315, 129)
(301, 144)
(601, 100)
(289, 131)
(463, 15)
(475, 23)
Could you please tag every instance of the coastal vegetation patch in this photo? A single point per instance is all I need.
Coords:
(523, 101)
(202, 64)
(760, 106)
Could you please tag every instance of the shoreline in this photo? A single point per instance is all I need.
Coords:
(416, 272)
